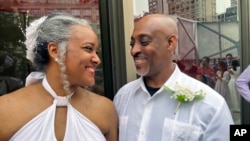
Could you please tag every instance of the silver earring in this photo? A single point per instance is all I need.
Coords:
(56, 59)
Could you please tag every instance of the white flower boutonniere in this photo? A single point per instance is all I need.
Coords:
(184, 94)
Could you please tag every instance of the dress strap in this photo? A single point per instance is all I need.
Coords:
(59, 100)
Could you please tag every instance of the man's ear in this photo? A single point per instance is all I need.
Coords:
(53, 50)
(172, 41)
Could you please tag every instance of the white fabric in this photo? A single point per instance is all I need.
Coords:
(146, 118)
(221, 86)
(41, 128)
(34, 77)
(234, 97)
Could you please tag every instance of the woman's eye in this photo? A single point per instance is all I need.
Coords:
(88, 48)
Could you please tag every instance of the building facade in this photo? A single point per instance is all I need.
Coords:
(231, 14)
(87, 9)
(198, 10)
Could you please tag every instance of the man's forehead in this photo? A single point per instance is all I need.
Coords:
(141, 32)
(152, 24)
(147, 21)
(146, 28)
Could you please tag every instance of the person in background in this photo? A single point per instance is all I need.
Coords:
(215, 64)
(7, 64)
(229, 58)
(181, 65)
(205, 72)
(59, 108)
(8, 80)
(234, 97)
(222, 80)
(192, 70)
(242, 84)
(149, 108)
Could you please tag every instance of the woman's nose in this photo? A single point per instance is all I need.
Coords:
(96, 59)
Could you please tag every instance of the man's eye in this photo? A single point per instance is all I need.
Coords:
(145, 43)
(132, 43)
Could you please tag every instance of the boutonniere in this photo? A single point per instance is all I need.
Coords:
(184, 94)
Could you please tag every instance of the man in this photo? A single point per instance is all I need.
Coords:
(229, 58)
(242, 84)
(147, 109)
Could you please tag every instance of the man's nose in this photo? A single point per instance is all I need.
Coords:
(135, 49)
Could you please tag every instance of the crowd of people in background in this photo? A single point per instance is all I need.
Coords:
(221, 75)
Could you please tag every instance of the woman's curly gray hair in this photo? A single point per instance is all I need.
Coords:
(52, 28)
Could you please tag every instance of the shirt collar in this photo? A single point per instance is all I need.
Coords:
(174, 77)
(170, 82)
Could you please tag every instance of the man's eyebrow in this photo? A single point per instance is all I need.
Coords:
(141, 36)
(88, 43)
(144, 36)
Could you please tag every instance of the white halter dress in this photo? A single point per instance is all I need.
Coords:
(41, 128)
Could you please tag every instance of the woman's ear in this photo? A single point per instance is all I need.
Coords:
(53, 50)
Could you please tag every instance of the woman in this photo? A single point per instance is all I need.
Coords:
(234, 98)
(59, 108)
(205, 72)
(223, 77)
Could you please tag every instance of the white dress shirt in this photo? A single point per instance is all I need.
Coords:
(242, 84)
(146, 118)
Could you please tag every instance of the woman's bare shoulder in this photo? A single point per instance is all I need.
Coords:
(21, 99)
(16, 108)
(96, 102)
(103, 114)
(105, 106)
(11, 98)
(101, 100)
(19, 94)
